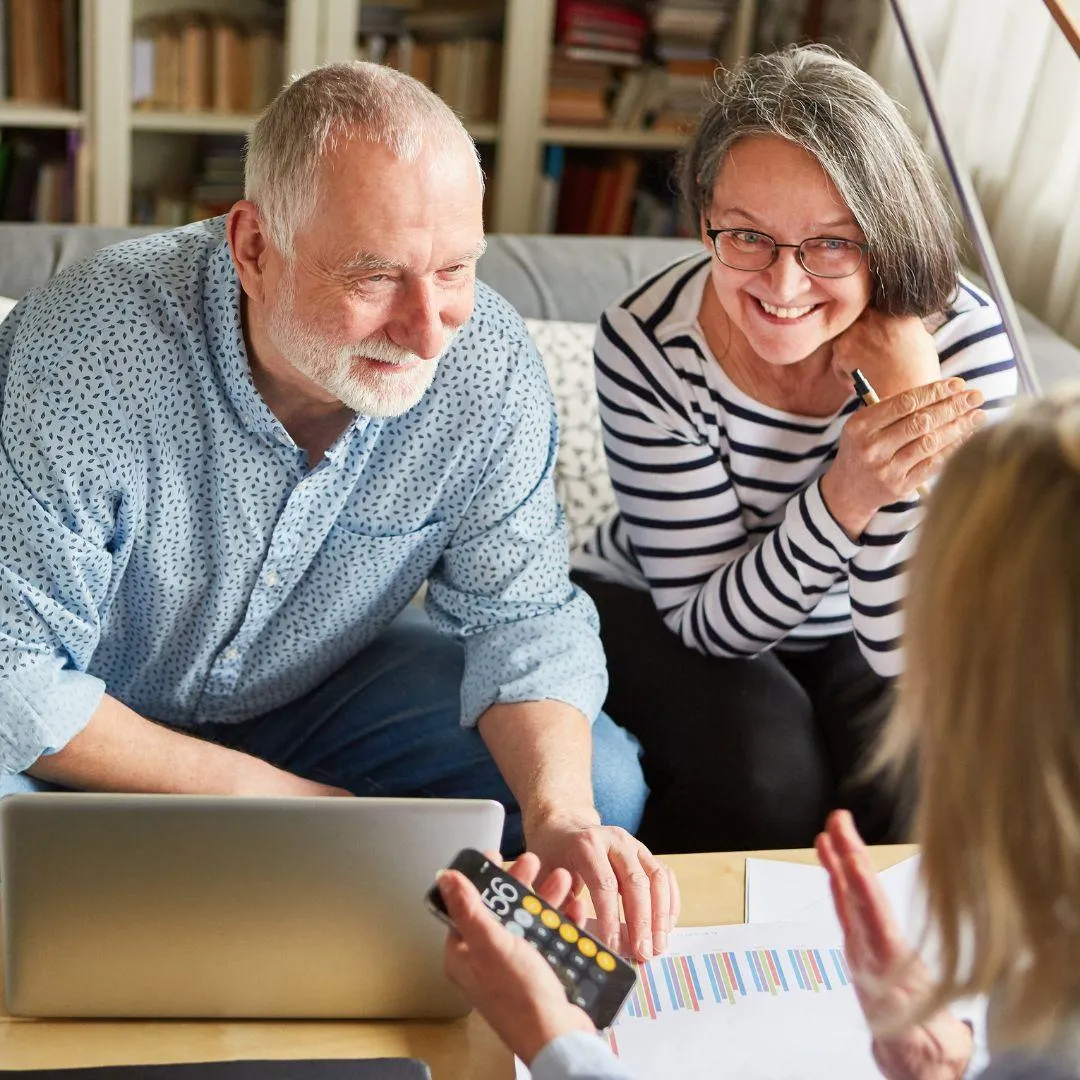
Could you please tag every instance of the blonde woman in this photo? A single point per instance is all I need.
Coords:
(990, 710)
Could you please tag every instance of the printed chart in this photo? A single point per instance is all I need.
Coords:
(685, 981)
(771, 1001)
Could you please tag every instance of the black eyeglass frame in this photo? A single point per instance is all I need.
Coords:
(712, 234)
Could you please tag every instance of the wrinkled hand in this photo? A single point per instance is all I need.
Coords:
(888, 975)
(887, 450)
(895, 352)
(611, 864)
(502, 976)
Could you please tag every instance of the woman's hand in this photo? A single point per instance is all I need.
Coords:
(888, 975)
(504, 977)
(895, 352)
(887, 450)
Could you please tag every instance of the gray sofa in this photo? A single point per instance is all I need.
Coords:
(545, 277)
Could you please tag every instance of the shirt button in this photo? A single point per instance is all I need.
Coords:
(272, 578)
(232, 653)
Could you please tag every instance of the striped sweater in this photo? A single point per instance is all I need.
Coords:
(720, 510)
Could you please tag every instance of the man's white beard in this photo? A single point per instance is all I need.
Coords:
(335, 368)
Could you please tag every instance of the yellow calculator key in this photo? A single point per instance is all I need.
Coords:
(586, 946)
(568, 933)
(550, 919)
(532, 905)
(606, 961)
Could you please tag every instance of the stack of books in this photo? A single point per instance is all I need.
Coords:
(688, 29)
(594, 39)
(189, 62)
(218, 183)
(458, 53)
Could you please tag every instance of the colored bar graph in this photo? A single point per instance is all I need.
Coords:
(689, 983)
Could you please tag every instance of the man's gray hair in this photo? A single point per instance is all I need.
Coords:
(316, 113)
(812, 97)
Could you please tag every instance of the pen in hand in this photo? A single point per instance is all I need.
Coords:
(868, 396)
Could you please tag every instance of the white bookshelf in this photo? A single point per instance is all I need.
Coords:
(14, 115)
(318, 31)
(615, 138)
(190, 123)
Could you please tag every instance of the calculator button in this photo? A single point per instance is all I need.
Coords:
(532, 905)
(578, 961)
(598, 975)
(587, 946)
(560, 947)
(550, 919)
(541, 933)
(606, 961)
(585, 993)
(513, 928)
(552, 959)
(523, 918)
(568, 933)
(570, 975)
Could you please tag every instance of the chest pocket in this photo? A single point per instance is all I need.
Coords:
(394, 565)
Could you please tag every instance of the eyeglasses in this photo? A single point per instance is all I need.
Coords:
(821, 256)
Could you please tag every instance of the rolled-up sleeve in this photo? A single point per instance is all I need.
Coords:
(502, 584)
(55, 568)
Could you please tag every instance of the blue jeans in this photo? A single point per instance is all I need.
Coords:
(388, 724)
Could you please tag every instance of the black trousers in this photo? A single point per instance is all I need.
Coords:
(744, 754)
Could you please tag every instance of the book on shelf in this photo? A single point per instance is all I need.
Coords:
(41, 52)
(190, 62)
(601, 31)
(458, 53)
(43, 176)
(606, 193)
(216, 182)
(688, 30)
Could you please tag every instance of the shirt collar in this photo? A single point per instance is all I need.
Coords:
(225, 340)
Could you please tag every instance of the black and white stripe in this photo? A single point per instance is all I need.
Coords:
(720, 512)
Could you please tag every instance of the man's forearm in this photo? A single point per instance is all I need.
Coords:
(544, 752)
(119, 750)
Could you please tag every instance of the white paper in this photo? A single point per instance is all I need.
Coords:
(776, 1029)
(781, 892)
(769, 1001)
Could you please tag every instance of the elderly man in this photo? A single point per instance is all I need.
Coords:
(234, 451)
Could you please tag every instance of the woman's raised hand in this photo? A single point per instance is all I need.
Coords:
(889, 449)
(888, 975)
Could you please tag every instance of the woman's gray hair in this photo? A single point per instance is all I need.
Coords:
(812, 97)
(317, 112)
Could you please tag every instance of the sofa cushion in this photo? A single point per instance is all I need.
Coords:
(581, 477)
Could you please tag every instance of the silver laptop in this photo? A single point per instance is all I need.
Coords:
(205, 906)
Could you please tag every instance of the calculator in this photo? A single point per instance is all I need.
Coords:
(594, 978)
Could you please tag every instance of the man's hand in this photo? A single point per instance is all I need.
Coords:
(504, 977)
(889, 976)
(895, 352)
(609, 862)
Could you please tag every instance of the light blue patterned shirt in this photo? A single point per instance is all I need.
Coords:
(163, 538)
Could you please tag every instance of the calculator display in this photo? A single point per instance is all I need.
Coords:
(594, 978)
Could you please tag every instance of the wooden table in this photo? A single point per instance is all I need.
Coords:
(713, 891)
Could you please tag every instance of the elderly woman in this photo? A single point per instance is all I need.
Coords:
(750, 584)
